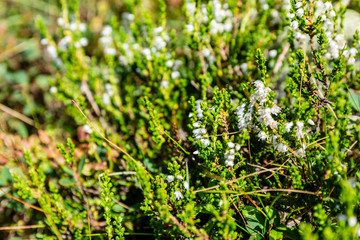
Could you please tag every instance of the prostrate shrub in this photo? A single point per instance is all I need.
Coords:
(239, 124)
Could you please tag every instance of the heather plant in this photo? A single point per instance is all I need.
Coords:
(241, 122)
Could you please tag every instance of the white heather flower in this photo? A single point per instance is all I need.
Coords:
(169, 63)
(237, 147)
(247, 117)
(170, 178)
(189, 28)
(328, 6)
(109, 90)
(244, 67)
(299, 128)
(229, 163)
(87, 129)
(44, 41)
(196, 152)
(53, 89)
(221, 203)
(300, 12)
(228, 25)
(229, 156)
(73, 26)
(311, 122)
(300, 152)
(191, 8)
(158, 30)
(110, 51)
(159, 43)
(129, 16)
(107, 30)
(178, 195)
(352, 221)
(136, 46)
(273, 140)
(290, 15)
(64, 43)
(105, 41)
(179, 177)
(353, 52)
(51, 51)
(205, 142)
(341, 217)
(84, 42)
(106, 99)
(77, 44)
(282, 148)
(275, 110)
(262, 135)
(273, 124)
(298, 5)
(231, 144)
(60, 22)
(177, 64)
(175, 74)
(288, 126)
(124, 61)
(351, 61)
(272, 53)
(196, 124)
(186, 185)
(206, 52)
(328, 56)
(294, 25)
(147, 53)
(82, 27)
(332, 13)
(259, 84)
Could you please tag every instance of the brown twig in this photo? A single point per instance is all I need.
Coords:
(21, 201)
(14, 228)
(102, 135)
(17, 115)
(235, 180)
(278, 190)
(182, 227)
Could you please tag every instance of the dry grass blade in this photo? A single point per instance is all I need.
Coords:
(277, 190)
(17, 115)
(102, 135)
(21, 201)
(237, 179)
(14, 228)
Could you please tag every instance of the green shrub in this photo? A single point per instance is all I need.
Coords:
(231, 120)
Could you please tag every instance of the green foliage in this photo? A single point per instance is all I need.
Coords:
(196, 122)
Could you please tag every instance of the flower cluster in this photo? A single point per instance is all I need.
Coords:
(222, 19)
(200, 133)
(107, 41)
(325, 13)
(75, 39)
(230, 154)
(106, 98)
(259, 105)
(177, 194)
